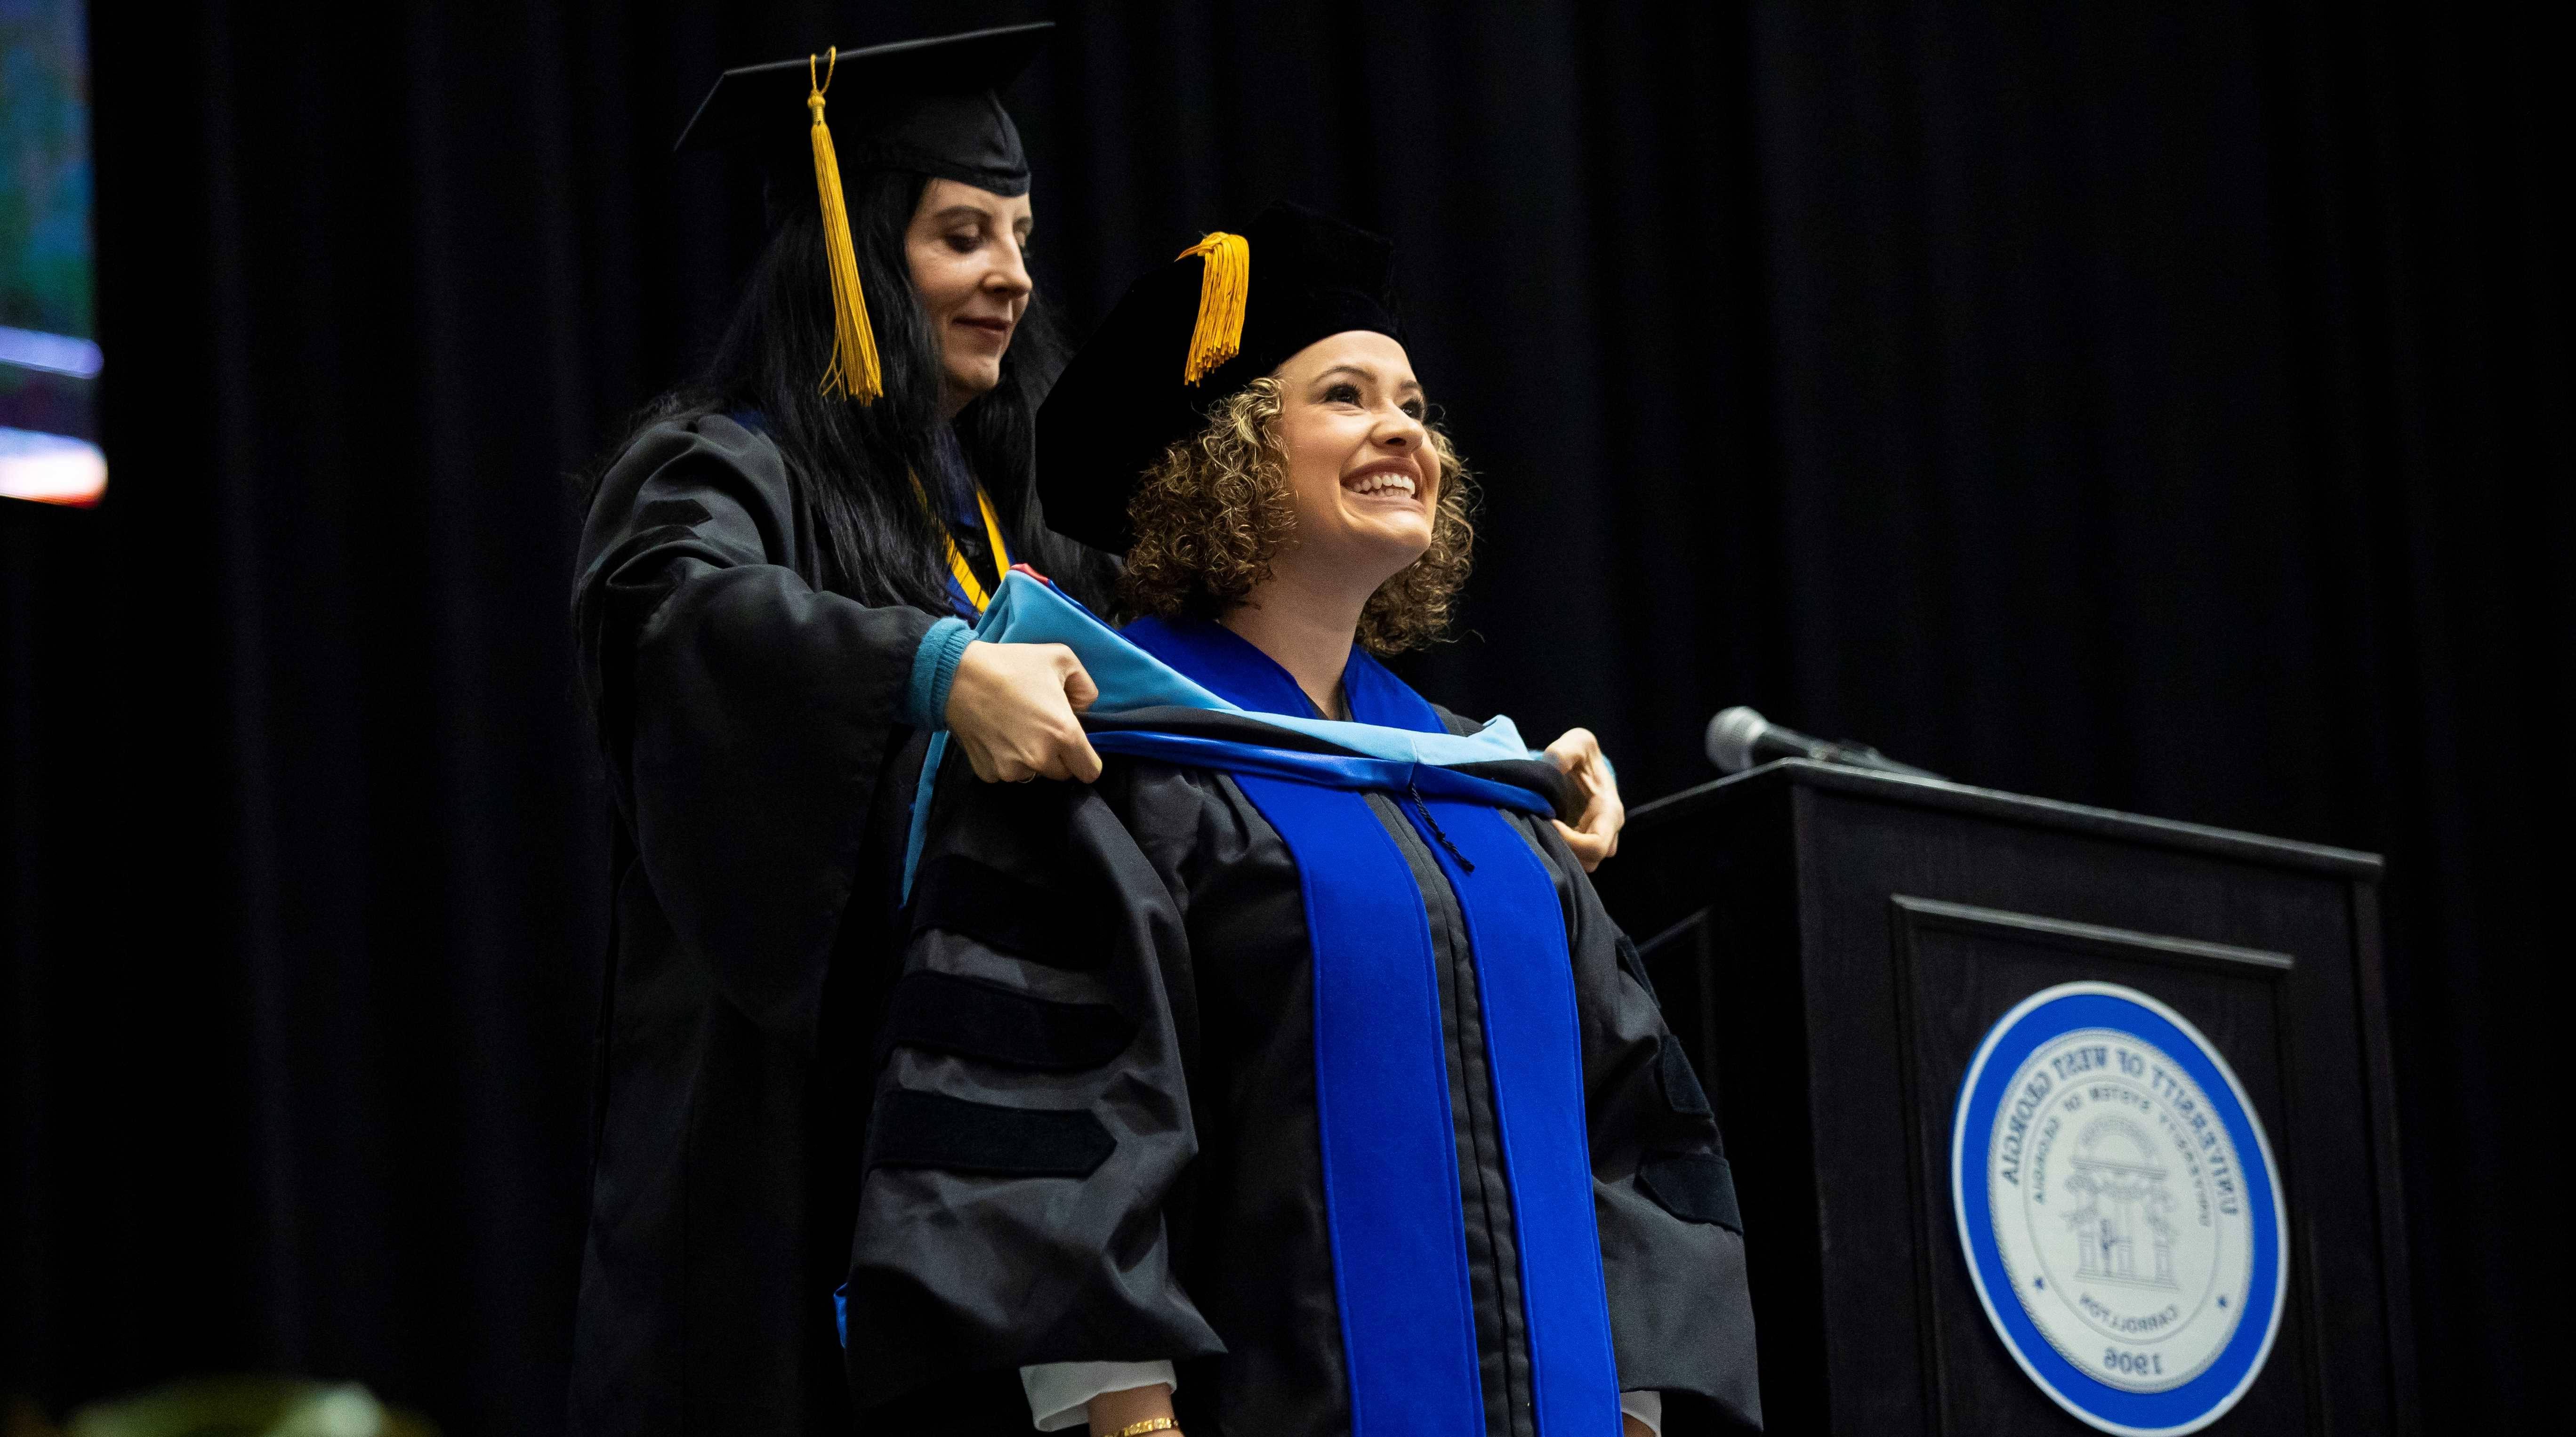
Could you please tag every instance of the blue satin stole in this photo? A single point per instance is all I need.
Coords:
(1390, 1155)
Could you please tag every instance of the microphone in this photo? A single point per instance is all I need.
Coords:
(1738, 738)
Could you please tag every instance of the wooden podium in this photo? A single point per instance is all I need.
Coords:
(1835, 945)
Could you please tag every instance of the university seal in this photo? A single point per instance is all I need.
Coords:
(2119, 1208)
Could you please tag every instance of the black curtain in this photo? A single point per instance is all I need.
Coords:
(2162, 407)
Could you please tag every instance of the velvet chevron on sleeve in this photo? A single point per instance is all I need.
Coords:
(1034, 1114)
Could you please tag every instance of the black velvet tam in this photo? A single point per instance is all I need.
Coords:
(925, 106)
(1125, 398)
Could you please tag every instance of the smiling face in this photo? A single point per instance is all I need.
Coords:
(1361, 470)
(1290, 507)
(969, 254)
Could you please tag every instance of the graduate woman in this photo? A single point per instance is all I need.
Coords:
(1289, 1080)
(773, 589)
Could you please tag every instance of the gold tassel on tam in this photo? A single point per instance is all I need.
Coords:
(854, 370)
(1225, 283)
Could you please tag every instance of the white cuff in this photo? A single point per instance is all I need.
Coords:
(1060, 1393)
(1646, 1407)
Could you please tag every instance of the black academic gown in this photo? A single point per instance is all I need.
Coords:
(1156, 921)
(761, 781)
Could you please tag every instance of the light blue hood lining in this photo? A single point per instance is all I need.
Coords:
(1029, 610)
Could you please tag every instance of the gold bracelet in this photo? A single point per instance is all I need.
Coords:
(1151, 1424)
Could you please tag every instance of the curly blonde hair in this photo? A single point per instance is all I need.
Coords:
(1216, 509)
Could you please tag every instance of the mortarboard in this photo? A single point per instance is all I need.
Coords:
(1230, 309)
(924, 106)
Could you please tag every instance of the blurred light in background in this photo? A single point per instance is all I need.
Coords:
(53, 353)
(50, 468)
(49, 357)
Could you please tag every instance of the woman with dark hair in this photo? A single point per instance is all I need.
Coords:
(1289, 1080)
(774, 585)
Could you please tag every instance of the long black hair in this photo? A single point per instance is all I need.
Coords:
(852, 465)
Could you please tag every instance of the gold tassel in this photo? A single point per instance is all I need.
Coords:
(1225, 283)
(854, 370)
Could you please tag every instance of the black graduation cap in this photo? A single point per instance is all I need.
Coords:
(927, 106)
(1230, 309)
(924, 106)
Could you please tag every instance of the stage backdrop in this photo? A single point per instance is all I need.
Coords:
(2154, 406)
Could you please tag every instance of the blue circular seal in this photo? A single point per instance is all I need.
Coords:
(2120, 1209)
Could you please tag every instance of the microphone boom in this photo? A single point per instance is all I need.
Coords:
(1738, 738)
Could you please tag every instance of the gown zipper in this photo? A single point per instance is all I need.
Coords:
(1433, 824)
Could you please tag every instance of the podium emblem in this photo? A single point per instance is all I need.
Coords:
(2120, 1209)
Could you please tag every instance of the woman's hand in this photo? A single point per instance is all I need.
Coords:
(1577, 754)
(1112, 1412)
(1012, 707)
